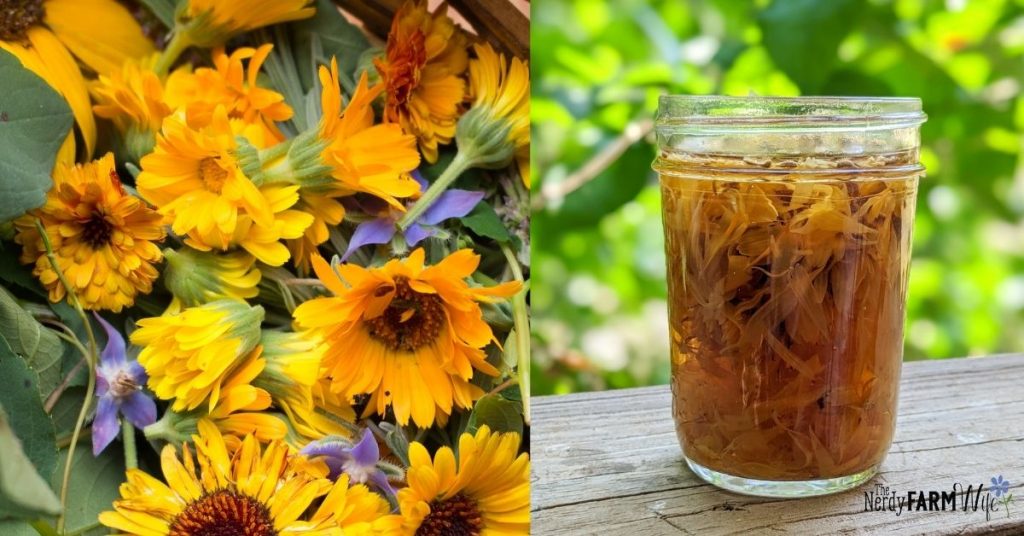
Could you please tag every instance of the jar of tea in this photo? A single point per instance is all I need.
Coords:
(787, 237)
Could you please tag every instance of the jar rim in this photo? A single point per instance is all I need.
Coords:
(787, 112)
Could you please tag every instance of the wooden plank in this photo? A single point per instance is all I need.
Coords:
(609, 462)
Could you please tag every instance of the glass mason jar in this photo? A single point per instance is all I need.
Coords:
(787, 238)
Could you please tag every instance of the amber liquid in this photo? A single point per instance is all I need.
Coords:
(786, 309)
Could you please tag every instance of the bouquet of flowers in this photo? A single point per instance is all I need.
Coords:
(263, 273)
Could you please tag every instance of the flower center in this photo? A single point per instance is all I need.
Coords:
(212, 174)
(457, 516)
(123, 385)
(406, 60)
(411, 321)
(17, 16)
(96, 231)
(224, 512)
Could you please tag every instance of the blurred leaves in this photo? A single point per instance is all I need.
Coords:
(23, 493)
(599, 318)
(20, 397)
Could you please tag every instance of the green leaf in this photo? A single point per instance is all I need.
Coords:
(38, 346)
(23, 493)
(30, 422)
(18, 527)
(802, 37)
(93, 486)
(34, 120)
(496, 412)
(65, 411)
(13, 272)
(162, 9)
(484, 221)
(337, 36)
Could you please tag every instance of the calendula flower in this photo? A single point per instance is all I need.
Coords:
(346, 154)
(240, 411)
(327, 211)
(191, 355)
(194, 179)
(210, 23)
(408, 335)
(422, 68)
(363, 156)
(102, 236)
(119, 385)
(501, 102)
(132, 97)
(101, 33)
(359, 461)
(291, 377)
(485, 490)
(493, 132)
(255, 491)
(453, 203)
(233, 85)
(198, 277)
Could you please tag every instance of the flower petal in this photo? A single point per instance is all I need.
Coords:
(105, 427)
(451, 204)
(139, 409)
(114, 352)
(378, 231)
(366, 452)
(417, 233)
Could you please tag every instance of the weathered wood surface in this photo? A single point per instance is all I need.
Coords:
(609, 463)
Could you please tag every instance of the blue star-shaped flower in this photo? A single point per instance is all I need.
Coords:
(119, 385)
(999, 486)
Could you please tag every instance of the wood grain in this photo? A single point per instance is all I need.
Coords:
(609, 463)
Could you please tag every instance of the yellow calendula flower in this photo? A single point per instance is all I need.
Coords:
(101, 33)
(485, 490)
(241, 411)
(292, 377)
(198, 277)
(194, 179)
(232, 84)
(422, 68)
(408, 335)
(254, 491)
(191, 355)
(501, 99)
(210, 23)
(132, 97)
(102, 236)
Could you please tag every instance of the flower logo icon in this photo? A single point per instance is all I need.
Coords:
(999, 486)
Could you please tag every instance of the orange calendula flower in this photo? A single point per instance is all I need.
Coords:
(194, 179)
(422, 68)
(409, 335)
(233, 85)
(102, 236)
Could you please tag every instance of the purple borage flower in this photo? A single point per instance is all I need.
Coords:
(119, 387)
(450, 204)
(358, 461)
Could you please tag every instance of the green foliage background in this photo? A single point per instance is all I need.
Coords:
(598, 68)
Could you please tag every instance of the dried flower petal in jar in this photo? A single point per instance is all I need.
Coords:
(787, 237)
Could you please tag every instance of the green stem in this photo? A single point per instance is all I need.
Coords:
(131, 457)
(520, 317)
(464, 159)
(91, 357)
(178, 44)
